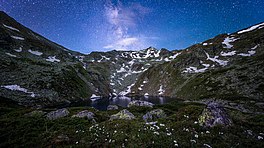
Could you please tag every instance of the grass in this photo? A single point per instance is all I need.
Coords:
(179, 128)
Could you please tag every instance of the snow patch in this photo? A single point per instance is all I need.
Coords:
(18, 50)
(255, 47)
(231, 53)
(174, 56)
(167, 60)
(12, 28)
(124, 93)
(205, 44)
(251, 28)
(250, 53)
(17, 38)
(220, 62)
(94, 97)
(35, 52)
(122, 69)
(229, 40)
(192, 69)
(18, 88)
(52, 59)
(161, 90)
(11, 55)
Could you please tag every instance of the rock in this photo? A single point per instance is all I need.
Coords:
(140, 103)
(154, 115)
(85, 114)
(61, 139)
(123, 114)
(36, 113)
(112, 107)
(214, 114)
(58, 114)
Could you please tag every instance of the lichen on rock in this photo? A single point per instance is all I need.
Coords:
(123, 114)
(112, 107)
(85, 114)
(154, 114)
(58, 114)
(214, 114)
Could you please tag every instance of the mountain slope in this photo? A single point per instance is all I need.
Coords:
(225, 67)
(36, 71)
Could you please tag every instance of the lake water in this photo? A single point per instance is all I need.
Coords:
(102, 103)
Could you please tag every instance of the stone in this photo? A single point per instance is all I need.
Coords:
(154, 115)
(85, 114)
(140, 103)
(123, 114)
(214, 114)
(61, 139)
(36, 113)
(58, 114)
(112, 107)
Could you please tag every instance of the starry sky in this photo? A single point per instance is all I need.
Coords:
(103, 25)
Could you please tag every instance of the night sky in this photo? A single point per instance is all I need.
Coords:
(103, 25)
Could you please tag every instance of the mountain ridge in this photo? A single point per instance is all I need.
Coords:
(31, 64)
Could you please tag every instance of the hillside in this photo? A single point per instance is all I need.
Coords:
(39, 72)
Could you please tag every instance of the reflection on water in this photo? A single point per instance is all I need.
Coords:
(102, 103)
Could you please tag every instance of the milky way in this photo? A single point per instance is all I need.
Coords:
(102, 25)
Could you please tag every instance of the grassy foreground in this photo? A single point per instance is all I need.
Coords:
(179, 129)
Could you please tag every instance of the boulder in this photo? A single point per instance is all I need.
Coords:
(34, 113)
(154, 115)
(112, 107)
(140, 103)
(61, 139)
(123, 114)
(58, 114)
(85, 114)
(214, 114)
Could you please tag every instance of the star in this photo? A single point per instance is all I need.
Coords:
(86, 26)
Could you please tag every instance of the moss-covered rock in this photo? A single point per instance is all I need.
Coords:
(214, 114)
(112, 107)
(84, 114)
(58, 114)
(123, 115)
(154, 115)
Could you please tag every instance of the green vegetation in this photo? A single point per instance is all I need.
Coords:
(179, 128)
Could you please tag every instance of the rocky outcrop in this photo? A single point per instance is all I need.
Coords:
(36, 113)
(140, 103)
(154, 115)
(214, 114)
(85, 114)
(112, 107)
(58, 114)
(123, 115)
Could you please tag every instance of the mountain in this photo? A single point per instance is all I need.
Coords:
(39, 72)
(36, 71)
(228, 66)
